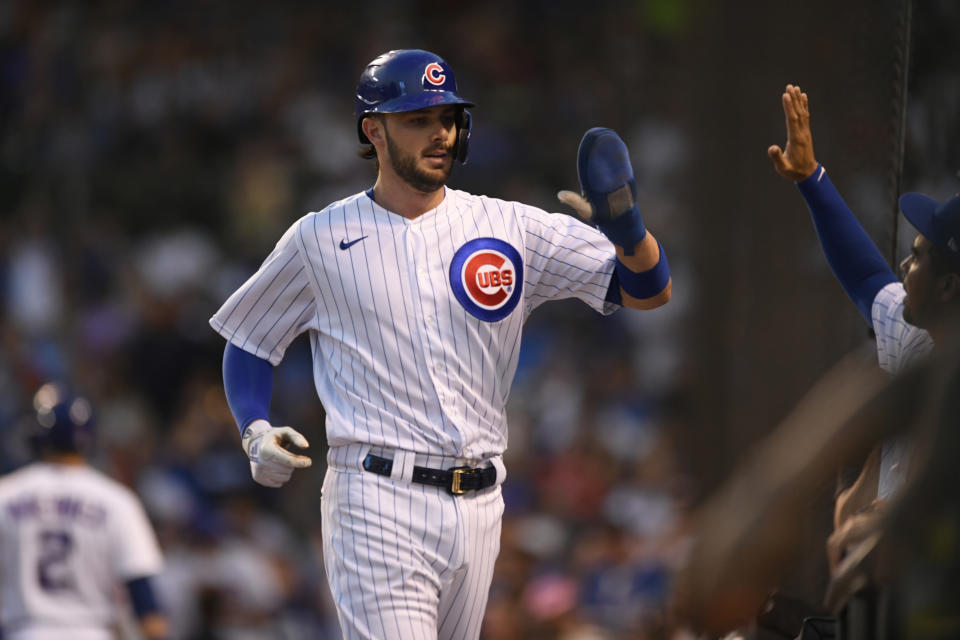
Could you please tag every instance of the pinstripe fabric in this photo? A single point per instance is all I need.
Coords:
(407, 561)
(899, 345)
(405, 370)
(398, 361)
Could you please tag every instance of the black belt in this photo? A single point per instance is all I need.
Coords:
(457, 480)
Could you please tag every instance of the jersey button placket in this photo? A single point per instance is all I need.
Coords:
(424, 279)
(427, 320)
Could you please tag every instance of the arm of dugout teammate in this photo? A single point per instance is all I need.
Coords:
(854, 530)
(862, 494)
(851, 254)
(153, 622)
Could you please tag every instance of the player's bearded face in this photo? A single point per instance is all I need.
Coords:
(409, 165)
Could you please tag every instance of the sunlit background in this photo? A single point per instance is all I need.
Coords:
(151, 154)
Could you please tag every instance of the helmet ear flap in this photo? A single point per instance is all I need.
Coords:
(464, 127)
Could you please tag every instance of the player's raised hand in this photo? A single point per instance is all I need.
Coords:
(271, 461)
(609, 189)
(796, 161)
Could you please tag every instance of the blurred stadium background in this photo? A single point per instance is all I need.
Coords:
(151, 153)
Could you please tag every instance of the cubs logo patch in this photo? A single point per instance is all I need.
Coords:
(486, 277)
(434, 74)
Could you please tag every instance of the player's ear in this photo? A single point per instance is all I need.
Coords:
(950, 287)
(373, 128)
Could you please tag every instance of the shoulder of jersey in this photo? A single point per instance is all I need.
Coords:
(10, 480)
(333, 206)
(121, 495)
(459, 194)
(488, 202)
(105, 483)
(86, 475)
(890, 296)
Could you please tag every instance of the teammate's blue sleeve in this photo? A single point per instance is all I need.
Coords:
(248, 384)
(850, 252)
(142, 597)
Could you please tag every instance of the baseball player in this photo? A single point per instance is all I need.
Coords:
(908, 317)
(414, 297)
(69, 536)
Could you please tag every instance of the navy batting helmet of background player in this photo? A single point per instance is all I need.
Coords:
(64, 420)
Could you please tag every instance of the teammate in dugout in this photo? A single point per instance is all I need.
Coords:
(414, 296)
(909, 318)
(70, 536)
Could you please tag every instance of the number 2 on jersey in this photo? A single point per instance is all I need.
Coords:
(53, 570)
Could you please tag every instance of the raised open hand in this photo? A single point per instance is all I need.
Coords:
(796, 161)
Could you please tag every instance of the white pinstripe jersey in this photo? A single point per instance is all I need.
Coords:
(899, 345)
(69, 536)
(409, 348)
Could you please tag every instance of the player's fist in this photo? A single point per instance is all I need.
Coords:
(271, 461)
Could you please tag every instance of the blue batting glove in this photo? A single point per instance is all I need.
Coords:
(609, 186)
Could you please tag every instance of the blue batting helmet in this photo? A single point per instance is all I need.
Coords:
(405, 80)
(64, 420)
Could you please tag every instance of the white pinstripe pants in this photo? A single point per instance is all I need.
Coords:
(407, 561)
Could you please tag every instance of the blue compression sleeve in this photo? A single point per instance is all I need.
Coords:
(248, 383)
(850, 252)
(142, 598)
(645, 284)
(639, 285)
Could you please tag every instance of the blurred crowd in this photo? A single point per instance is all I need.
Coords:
(151, 153)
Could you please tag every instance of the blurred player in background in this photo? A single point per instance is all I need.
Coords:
(70, 537)
(908, 317)
(414, 296)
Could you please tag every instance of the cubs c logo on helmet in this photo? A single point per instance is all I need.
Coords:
(486, 276)
(434, 74)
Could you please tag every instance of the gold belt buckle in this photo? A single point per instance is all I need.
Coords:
(455, 484)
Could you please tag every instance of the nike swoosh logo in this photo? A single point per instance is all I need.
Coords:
(346, 245)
